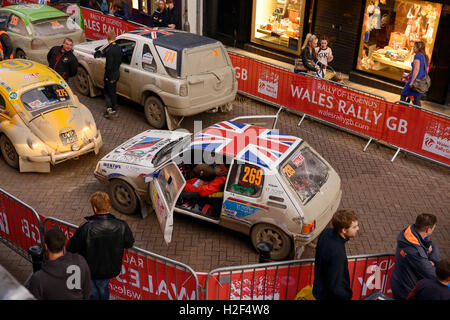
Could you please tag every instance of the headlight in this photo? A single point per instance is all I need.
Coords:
(183, 90)
(33, 144)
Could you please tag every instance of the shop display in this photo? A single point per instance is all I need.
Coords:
(390, 29)
(278, 22)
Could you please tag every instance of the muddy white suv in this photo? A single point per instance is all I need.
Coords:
(167, 71)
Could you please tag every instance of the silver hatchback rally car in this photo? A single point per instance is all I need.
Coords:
(271, 186)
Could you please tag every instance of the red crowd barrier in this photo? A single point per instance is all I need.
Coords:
(409, 128)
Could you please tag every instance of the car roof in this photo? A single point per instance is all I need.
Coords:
(17, 74)
(35, 12)
(254, 144)
(172, 39)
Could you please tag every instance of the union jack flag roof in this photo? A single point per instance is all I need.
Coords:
(245, 142)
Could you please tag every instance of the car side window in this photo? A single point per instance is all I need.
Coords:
(148, 62)
(17, 25)
(2, 103)
(246, 179)
(127, 47)
(4, 18)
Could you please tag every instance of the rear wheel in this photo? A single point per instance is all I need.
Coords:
(280, 241)
(9, 152)
(123, 197)
(155, 112)
(83, 81)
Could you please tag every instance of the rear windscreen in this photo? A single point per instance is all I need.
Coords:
(55, 27)
(205, 60)
(306, 173)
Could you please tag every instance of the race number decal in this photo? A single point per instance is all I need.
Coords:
(252, 176)
(288, 170)
(168, 57)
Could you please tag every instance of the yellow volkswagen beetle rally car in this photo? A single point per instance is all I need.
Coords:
(271, 186)
(41, 121)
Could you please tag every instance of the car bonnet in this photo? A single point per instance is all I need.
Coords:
(142, 148)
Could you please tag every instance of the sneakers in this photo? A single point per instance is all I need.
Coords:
(110, 112)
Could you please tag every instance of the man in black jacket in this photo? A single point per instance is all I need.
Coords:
(113, 54)
(172, 15)
(102, 241)
(63, 276)
(62, 60)
(331, 277)
(6, 47)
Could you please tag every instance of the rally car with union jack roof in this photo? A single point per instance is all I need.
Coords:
(169, 72)
(278, 189)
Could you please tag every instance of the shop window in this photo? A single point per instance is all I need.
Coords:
(390, 29)
(278, 24)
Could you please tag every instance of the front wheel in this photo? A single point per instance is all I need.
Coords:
(9, 152)
(155, 112)
(20, 54)
(280, 241)
(123, 197)
(83, 81)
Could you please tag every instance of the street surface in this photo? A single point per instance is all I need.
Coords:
(387, 196)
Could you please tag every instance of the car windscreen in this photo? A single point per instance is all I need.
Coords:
(306, 173)
(45, 97)
(204, 61)
(55, 27)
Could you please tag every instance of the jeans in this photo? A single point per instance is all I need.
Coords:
(416, 100)
(100, 289)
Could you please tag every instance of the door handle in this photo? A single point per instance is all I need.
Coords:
(126, 70)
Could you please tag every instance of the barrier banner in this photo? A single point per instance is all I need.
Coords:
(97, 24)
(406, 127)
(19, 224)
(144, 277)
(284, 282)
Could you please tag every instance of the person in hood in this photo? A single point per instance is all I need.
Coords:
(62, 276)
(62, 60)
(439, 289)
(415, 256)
(331, 277)
(102, 241)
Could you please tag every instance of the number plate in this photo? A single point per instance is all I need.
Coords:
(68, 137)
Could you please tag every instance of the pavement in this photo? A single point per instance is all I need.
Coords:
(387, 196)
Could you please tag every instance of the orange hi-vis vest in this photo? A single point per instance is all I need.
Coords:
(1, 46)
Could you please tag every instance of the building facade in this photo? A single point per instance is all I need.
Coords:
(371, 40)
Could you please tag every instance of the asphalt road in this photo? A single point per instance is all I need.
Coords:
(387, 196)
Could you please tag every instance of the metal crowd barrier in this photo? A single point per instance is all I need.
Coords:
(20, 225)
(145, 275)
(283, 280)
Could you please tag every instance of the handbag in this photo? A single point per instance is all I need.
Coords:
(422, 85)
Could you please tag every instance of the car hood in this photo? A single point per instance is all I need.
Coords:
(142, 148)
(89, 47)
(48, 127)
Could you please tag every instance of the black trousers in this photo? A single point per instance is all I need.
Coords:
(110, 94)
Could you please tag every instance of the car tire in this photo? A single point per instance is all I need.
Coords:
(280, 241)
(83, 81)
(20, 54)
(123, 197)
(9, 152)
(155, 112)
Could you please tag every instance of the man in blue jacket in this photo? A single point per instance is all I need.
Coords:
(415, 256)
(331, 277)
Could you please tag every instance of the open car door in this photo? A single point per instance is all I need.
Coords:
(164, 188)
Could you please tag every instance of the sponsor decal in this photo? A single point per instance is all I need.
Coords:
(241, 208)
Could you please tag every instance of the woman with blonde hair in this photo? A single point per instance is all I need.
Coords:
(309, 55)
(419, 71)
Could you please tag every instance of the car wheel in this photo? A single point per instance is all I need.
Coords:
(123, 197)
(20, 54)
(280, 241)
(155, 112)
(83, 81)
(9, 152)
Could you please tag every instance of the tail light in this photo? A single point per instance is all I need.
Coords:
(308, 228)
(37, 44)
